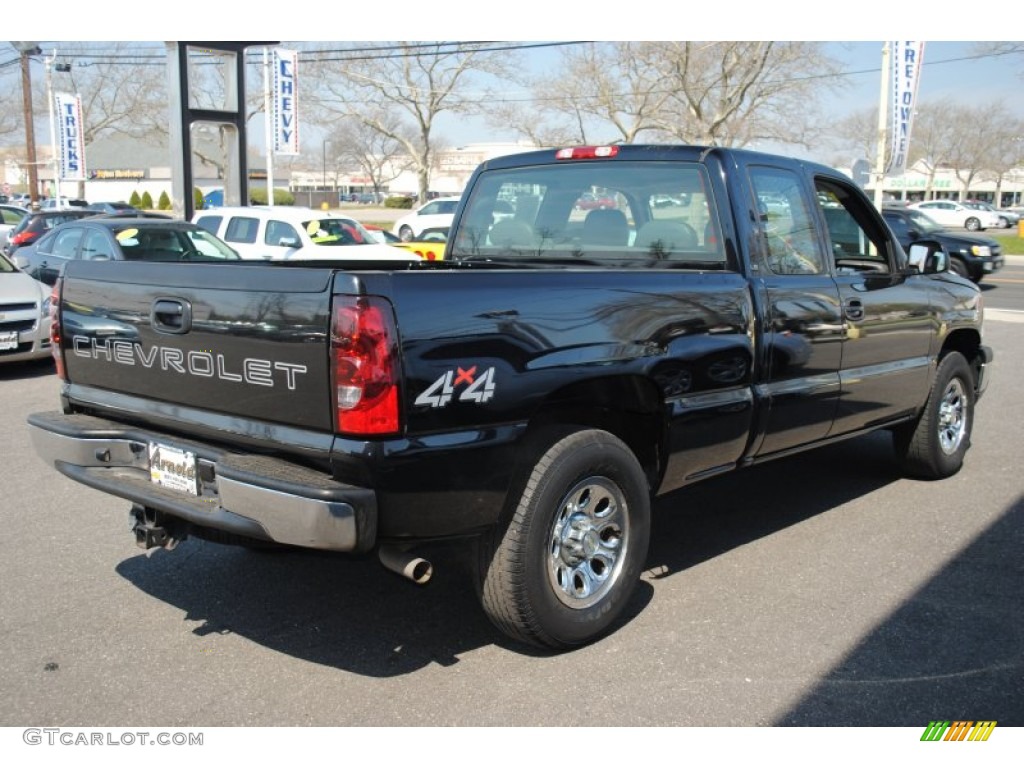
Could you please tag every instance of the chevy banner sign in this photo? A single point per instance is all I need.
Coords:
(284, 109)
(71, 144)
(906, 74)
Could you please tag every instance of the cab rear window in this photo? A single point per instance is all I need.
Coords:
(596, 214)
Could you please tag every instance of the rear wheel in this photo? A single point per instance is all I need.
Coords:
(560, 569)
(934, 447)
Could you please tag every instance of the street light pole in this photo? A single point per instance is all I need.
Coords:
(325, 168)
(53, 126)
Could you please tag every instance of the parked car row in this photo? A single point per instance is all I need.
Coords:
(293, 233)
(971, 256)
(950, 213)
(24, 315)
(119, 239)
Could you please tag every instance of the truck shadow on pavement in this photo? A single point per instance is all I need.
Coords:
(27, 369)
(951, 651)
(702, 521)
(352, 614)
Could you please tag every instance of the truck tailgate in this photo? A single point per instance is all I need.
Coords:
(241, 339)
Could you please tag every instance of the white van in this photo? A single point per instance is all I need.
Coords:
(293, 233)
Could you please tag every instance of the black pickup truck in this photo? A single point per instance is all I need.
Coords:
(532, 392)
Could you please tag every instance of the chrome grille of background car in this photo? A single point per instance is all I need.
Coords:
(21, 320)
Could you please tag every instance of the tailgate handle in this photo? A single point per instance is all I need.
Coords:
(171, 316)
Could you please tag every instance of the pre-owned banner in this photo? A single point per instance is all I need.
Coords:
(907, 57)
(284, 119)
(70, 130)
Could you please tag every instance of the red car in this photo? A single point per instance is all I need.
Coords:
(35, 225)
(589, 201)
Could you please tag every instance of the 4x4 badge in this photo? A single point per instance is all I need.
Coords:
(478, 389)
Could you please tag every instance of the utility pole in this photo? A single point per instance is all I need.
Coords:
(26, 50)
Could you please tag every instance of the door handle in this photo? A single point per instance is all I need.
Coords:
(853, 310)
(171, 316)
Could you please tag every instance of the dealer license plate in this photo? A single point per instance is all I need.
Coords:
(173, 468)
(9, 340)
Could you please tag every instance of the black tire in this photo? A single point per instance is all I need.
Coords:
(560, 568)
(405, 234)
(1004, 223)
(934, 447)
(972, 224)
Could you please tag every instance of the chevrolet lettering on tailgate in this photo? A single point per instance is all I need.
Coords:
(193, 362)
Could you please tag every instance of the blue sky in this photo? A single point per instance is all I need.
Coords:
(952, 73)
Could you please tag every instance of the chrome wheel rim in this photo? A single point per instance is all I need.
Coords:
(952, 417)
(587, 543)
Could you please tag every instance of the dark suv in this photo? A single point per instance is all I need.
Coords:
(972, 256)
(35, 225)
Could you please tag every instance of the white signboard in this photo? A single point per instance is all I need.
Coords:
(70, 129)
(907, 57)
(284, 117)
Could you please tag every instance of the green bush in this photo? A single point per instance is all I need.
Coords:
(147, 201)
(165, 202)
(197, 199)
(258, 196)
(398, 202)
(135, 201)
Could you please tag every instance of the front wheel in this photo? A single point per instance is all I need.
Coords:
(934, 447)
(972, 224)
(560, 568)
(405, 234)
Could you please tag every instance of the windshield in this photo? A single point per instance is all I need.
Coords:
(923, 223)
(597, 213)
(167, 244)
(335, 231)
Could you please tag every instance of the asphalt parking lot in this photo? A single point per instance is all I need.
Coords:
(822, 590)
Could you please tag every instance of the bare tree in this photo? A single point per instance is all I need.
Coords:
(400, 89)
(11, 126)
(934, 133)
(606, 88)
(940, 139)
(738, 93)
(719, 93)
(373, 152)
(120, 94)
(858, 131)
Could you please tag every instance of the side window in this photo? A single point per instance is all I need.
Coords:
(278, 231)
(65, 243)
(790, 241)
(242, 229)
(96, 246)
(210, 223)
(858, 240)
(898, 226)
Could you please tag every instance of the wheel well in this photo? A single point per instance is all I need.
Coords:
(967, 342)
(629, 407)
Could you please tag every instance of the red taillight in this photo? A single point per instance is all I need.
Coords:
(21, 238)
(364, 359)
(586, 153)
(55, 350)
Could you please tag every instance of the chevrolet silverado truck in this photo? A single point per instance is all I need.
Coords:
(533, 392)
